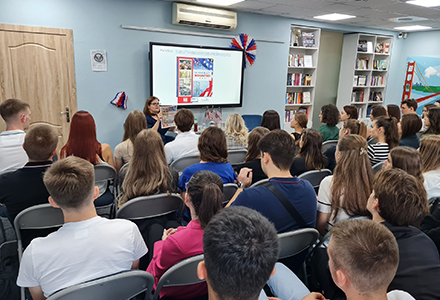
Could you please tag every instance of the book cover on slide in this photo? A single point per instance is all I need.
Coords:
(195, 79)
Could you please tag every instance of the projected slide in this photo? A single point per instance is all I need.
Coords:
(189, 76)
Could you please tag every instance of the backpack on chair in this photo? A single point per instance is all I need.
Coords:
(8, 261)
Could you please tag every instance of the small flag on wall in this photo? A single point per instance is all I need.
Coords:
(120, 100)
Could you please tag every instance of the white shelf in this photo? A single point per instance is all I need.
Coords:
(304, 48)
(296, 105)
(300, 86)
(360, 86)
(301, 67)
(347, 73)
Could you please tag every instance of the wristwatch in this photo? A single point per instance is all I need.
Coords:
(241, 185)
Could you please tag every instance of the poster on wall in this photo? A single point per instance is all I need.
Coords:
(422, 80)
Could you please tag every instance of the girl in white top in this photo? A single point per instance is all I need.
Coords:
(384, 130)
(430, 151)
(134, 124)
(345, 193)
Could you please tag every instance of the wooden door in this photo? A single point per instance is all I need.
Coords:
(37, 66)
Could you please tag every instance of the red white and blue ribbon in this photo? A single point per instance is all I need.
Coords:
(246, 43)
(120, 100)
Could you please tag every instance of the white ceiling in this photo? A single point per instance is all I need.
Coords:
(381, 14)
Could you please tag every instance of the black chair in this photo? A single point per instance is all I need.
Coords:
(328, 144)
(185, 161)
(229, 190)
(107, 175)
(377, 167)
(315, 177)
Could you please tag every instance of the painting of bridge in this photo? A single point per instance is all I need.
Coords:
(422, 81)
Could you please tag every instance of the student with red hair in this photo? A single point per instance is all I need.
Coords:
(82, 143)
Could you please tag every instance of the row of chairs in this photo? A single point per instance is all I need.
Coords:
(128, 284)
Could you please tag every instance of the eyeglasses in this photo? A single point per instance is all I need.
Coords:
(155, 104)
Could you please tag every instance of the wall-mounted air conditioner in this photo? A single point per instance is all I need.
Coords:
(191, 15)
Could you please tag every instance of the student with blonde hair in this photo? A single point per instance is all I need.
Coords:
(430, 152)
(344, 194)
(134, 123)
(236, 132)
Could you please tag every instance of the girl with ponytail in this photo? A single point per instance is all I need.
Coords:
(204, 199)
(385, 131)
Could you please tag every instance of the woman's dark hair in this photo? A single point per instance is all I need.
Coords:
(356, 127)
(393, 111)
(410, 124)
(271, 120)
(330, 115)
(352, 111)
(205, 191)
(434, 121)
(312, 149)
(253, 140)
(378, 111)
(407, 159)
(389, 126)
(147, 103)
(212, 145)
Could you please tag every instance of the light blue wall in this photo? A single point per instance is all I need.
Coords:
(96, 24)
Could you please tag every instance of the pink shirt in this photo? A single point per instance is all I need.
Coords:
(186, 242)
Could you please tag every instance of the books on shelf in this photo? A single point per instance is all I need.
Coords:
(380, 64)
(290, 114)
(357, 96)
(308, 39)
(375, 96)
(355, 80)
(379, 48)
(382, 48)
(297, 60)
(362, 46)
(370, 47)
(362, 63)
(377, 81)
(299, 79)
(308, 63)
(362, 80)
(386, 48)
(297, 98)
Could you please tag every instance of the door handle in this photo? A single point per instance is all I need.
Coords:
(67, 114)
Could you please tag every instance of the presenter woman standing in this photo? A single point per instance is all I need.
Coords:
(154, 117)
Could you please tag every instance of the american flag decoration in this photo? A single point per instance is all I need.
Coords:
(120, 100)
(244, 41)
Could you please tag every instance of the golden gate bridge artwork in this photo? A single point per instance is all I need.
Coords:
(422, 80)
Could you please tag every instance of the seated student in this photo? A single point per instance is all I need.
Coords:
(271, 120)
(299, 123)
(430, 152)
(17, 116)
(253, 156)
(310, 153)
(186, 141)
(377, 111)
(426, 108)
(213, 157)
(431, 224)
(408, 127)
(134, 123)
(353, 176)
(24, 187)
(236, 132)
(238, 263)
(363, 259)
(349, 126)
(393, 110)
(384, 130)
(204, 199)
(348, 112)
(398, 201)
(330, 117)
(407, 159)
(432, 122)
(277, 149)
(82, 143)
(408, 106)
(437, 103)
(86, 247)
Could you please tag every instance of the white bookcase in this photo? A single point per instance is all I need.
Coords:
(302, 60)
(351, 89)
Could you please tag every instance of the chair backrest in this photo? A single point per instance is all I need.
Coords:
(40, 216)
(185, 161)
(106, 174)
(146, 207)
(182, 273)
(315, 176)
(260, 182)
(328, 144)
(229, 190)
(377, 167)
(294, 242)
(119, 286)
(252, 121)
(237, 156)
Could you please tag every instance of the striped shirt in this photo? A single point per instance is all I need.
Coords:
(378, 153)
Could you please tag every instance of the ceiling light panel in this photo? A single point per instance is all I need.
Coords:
(220, 2)
(412, 28)
(425, 3)
(334, 17)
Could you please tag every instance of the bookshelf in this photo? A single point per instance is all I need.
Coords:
(302, 64)
(364, 71)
